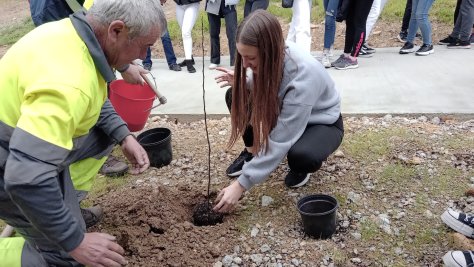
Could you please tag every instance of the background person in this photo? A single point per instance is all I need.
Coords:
(295, 111)
(187, 12)
(216, 10)
(55, 112)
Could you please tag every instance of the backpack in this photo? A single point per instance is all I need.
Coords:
(43, 11)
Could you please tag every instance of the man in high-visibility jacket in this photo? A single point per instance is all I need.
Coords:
(54, 112)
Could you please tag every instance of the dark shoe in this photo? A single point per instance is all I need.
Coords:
(235, 169)
(368, 49)
(92, 216)
(407, 48)
(460, 222)
(147, 66)
(295, 179)
(425, 50)
(365, 53)
(402, 36)
(113, 167)
(338, 60)
(190, 67)
(183, 63)
(459, 45)
(458, 258)
(346, 63)
(447, 40)
(175, 67)
(471, 39)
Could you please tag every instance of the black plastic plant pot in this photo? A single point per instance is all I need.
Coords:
(318, 213)
(157, 144)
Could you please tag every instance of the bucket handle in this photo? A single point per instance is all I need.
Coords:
(161, 98)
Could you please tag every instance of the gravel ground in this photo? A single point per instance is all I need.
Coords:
(392, 176)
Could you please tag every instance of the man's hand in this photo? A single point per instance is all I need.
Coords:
(99, 249)
(229, 197)
(132, 74)
(226, 78)
(135, 154)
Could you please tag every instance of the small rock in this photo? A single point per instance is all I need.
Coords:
(217, 264)
(227, 261)
(264, 248)
(256, 258)
(356, 260)
(436, 120)
(237, 260)
(266, 201)
(295, 262)
(254, 232)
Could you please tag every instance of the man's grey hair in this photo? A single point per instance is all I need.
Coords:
(138, 15)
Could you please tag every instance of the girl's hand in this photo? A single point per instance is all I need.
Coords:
(229, 197)
(225, 78)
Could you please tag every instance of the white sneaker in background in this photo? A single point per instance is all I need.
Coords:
(326, 60)
(213, 66)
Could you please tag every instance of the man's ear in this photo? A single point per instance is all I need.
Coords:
(117, 29)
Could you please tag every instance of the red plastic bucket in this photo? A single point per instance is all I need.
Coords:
(132, 102)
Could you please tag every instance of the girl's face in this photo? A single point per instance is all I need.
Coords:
(249, 56)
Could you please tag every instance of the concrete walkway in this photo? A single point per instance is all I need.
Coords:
(387, 83)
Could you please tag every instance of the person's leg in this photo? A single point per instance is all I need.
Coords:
(189, 19)
(235, 168)
(15, 251)
(406, 16)
(466, 14)
(300, 24)
(330, 8)
(421, 15)
(316, 144)
(147, 61)
(350, 28)
(361, 11)
(259, 4)
(413, 26)
(230, 17)
(168, 49)
(456, 11)
(247, 7)
(373, 16)
(214, 31)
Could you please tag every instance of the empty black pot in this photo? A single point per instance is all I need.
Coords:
(318, 213)
(157, 144)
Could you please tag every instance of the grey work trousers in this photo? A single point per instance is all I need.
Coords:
(38, 250)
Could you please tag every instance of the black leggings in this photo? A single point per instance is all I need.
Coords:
(406, 16)
(358, 11)
(316, 144)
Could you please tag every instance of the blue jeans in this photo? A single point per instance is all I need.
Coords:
(419, 18)
(330, 7)
(167, 46)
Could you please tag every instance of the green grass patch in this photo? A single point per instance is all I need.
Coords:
(369, 230)
(397, 174)
(11, 34)
(369, 145)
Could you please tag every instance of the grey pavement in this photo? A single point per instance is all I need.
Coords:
(387, 83)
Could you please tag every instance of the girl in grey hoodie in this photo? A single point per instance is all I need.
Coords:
(289, 100)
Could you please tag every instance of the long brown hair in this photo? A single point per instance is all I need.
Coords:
(260, 106)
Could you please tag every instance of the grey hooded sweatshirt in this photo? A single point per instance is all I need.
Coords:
(308, 96)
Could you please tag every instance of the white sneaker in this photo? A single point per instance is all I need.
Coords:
(458, 259)
(326, 60)
(213, 66)
(460, 222)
